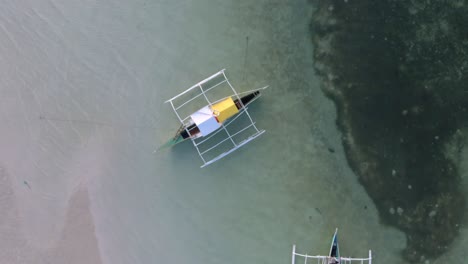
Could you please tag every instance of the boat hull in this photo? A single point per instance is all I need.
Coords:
(191, 130)
(334, 254)
(172, 142)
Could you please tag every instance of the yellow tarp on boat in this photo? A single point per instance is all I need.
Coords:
(224, 109)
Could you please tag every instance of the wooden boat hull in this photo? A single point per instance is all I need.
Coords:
(192, 131)
(334, 255)
(172, 142)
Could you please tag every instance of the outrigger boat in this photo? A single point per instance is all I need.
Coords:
(208, 111)
(333, 256)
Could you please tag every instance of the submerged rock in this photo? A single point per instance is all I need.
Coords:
(397, 71)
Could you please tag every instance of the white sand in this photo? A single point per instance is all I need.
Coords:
(107, 67)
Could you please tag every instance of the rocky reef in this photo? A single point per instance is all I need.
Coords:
(398, 73)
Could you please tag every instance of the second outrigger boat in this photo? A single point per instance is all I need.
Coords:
(207, 112)
(333, 256)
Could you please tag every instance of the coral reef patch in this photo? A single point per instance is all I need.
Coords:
(398, 74)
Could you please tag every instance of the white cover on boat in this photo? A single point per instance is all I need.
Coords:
(217, 144)
(205, 120)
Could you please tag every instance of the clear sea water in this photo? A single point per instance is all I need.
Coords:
(84, 85)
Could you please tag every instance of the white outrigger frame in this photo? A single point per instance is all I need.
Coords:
(326, 259)
(197, 142)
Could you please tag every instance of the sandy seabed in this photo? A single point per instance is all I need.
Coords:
(82, 109)
(83, 90)
(77, 241)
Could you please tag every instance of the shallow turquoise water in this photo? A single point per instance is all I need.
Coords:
(253, 205)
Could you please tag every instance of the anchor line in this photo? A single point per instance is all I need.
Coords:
(91, 122)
